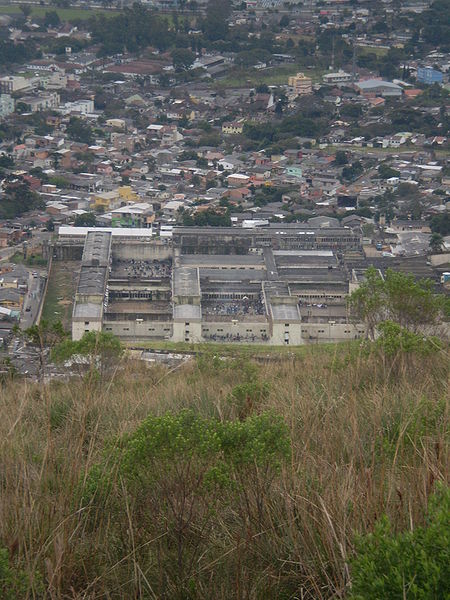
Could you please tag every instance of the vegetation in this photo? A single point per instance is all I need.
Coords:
(398, 297)
(412, 564)
(440, 224)
(87, 219)
(80, 131)
(209, 217)
(223, 478)
(18, 198)
(60, 292)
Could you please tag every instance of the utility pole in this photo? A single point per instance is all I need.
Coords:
(354, 61)
(332, 54)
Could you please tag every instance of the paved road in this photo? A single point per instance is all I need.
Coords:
(36, 285)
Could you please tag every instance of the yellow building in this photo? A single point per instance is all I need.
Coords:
(107, 201)
(127, 194)
(301, 83)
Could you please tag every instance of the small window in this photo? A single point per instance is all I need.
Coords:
(86, 322)
(286, 324)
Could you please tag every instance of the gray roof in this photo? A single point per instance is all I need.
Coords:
(222, 260)
(187, 311)
(370, 84)
(97, 248)
(87, 310)
(285, 312)
(92, 281)
(186, 281)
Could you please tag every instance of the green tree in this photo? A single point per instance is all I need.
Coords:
(341, 158)
(397, 297)
(79, 131)
(436, 242)
(6, 161)
(217, 14)
(18, 198)
(386, 172)
(441, 224)
(50, 225)
(353, 171)
(85, 220)
(101, 349)
(182, 59)
(412, 564)
(26, 10)
(52, 18)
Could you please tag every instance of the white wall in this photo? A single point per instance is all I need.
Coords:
(139, 330)
(191, 333)
(79, 328)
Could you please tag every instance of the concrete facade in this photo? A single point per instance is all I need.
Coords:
(146, 289)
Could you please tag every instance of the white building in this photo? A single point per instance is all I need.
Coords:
(340, 77)
(83, 107)
(15, 83)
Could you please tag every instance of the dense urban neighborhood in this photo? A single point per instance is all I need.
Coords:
(242, 165)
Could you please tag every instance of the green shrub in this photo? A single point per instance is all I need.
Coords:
(14, 583)
(394, 339)
(412, 565)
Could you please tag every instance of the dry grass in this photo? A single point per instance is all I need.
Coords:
(366, 439)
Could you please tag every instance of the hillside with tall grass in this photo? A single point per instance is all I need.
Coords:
(224, 479)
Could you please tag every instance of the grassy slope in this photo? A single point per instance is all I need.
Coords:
(241, 350)
(61, 289)
(368, 437)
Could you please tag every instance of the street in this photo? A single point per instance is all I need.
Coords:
(32, 301)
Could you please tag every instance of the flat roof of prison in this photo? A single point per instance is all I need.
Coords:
(87, 310)
(234, 275)
(187, 311)
(186, 281)
(285, 312)
(225, 260)
(223, 287)
(304, 253)
(313, 275)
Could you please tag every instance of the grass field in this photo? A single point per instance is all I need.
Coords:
(64, 13)
(372, 50)
(271, 76)
(367, 435)
(61, 289)
(241, 350)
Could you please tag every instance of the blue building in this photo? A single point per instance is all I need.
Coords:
(429, 75)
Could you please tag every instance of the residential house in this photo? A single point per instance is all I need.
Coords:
(238, 180)
(233, 128)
